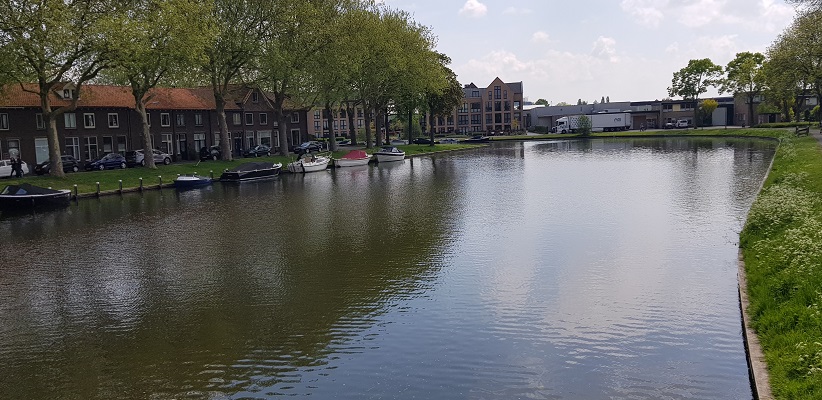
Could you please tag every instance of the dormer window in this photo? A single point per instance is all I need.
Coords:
(255, 97)
(67, 94)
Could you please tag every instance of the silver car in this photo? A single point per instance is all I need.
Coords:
(137, 157)
(5, 168)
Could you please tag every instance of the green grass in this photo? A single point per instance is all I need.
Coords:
(109, 180)
(782, 246)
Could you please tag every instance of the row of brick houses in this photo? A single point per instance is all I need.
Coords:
(182, 121)
(497, 107)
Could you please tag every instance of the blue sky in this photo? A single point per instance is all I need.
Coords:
(566, 50)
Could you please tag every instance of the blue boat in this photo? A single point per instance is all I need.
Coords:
(191, 181)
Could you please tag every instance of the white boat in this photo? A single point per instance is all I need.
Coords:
(389, 154)
(309, 163)
(354, 158)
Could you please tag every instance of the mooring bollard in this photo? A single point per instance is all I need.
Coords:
(160, 178)
(212, 173)
(98, 189)
(121, 185)
(141, 184)
(76, 192)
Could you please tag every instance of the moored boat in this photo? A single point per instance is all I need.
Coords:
(389, 154)
(26, 196)
(251, 171)
(309, 163)
(477, 139)
(191, 181)
(352, 159)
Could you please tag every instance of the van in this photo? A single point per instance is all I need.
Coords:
(682, 123)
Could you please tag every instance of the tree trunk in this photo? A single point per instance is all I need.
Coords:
(751, 110)
(352, 132)
(431, 128)
(226, 147)
(145, 133)
(696, 113)
(49, 118)
(367, 116)
(279, 116)
(332, 140)
(378, 126)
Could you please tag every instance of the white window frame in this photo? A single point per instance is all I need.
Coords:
(115, 120)
(4, 122)
(247, 116)
(70, 120)
(275, 138)
(263, 119)
(89, 117)
(180, 119)
(295, 117)
(111, 144)
(165, 119)
(39, 122)
(236, 119)
(73, 148)
(198, 119)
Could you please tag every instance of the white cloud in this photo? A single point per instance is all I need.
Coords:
(770, 15)
(645, 12)
(540, 37)
(473, 8)
(605, 48)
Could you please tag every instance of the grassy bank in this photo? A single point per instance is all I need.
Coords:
(782, 246)
(110, 179)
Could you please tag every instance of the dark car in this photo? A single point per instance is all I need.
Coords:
(109, 161)
(308, 147)
(211, 153)
(69, 164)
(258, 150)
(423, 140)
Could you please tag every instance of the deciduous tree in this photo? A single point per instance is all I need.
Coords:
(744, 77)
(694, 80)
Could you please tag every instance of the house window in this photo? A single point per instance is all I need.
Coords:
(489, 95)
(497, 90)
(181, 119)
(237, 119)
(67, 94)
(70, 120)
(255, 97)
(342, 125)
(168, 146)
(113, 120)
(249, 138)
(475, 93)
(165, 119)
(316, 114)
(199, 141)
(14, 144)
(295, 134)
(216, 139)
(263, 119)
(249, 118)
(359, 123)
(121, 145)
(4, 122)
(91, 148)
(265, 138)
(198, 119)
(295, 117)
(88, 120)
(73, 147)
(148, 118)
(505, 95)
(316, 126)
(108, 144)
(276, 136)
(39, 120)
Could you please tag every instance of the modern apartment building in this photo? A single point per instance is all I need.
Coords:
(182, 121)
(495, 108)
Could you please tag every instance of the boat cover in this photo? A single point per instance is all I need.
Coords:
(26, 189)
(252, 166)
(355, 155)
(389, 149)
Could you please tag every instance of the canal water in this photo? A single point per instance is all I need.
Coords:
(564, 269)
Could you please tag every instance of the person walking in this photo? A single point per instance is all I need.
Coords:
(19, 167)
(13, 162)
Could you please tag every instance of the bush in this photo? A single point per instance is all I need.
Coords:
(785, 124)
(584, 125)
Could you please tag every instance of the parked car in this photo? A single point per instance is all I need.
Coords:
(5, 168)
(109, 161)
(682, 123)
(424, 140)
(258, 150)
(137, 157)
(450, 141)
(211, 153)
(308, 147)
(70, 164)
(668, 125)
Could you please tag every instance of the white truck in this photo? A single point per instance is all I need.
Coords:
(604, 122)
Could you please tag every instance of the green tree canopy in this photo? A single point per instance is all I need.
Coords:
(694, 80)
(745, 77)
(542, 102)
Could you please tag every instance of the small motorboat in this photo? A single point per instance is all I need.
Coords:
(389, 154)
(353, 158)
(191, 181)
(477, 139)
(309, 163)
(251, 171)
(26, 196)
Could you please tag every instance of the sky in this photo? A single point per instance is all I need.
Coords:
(564, 50)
